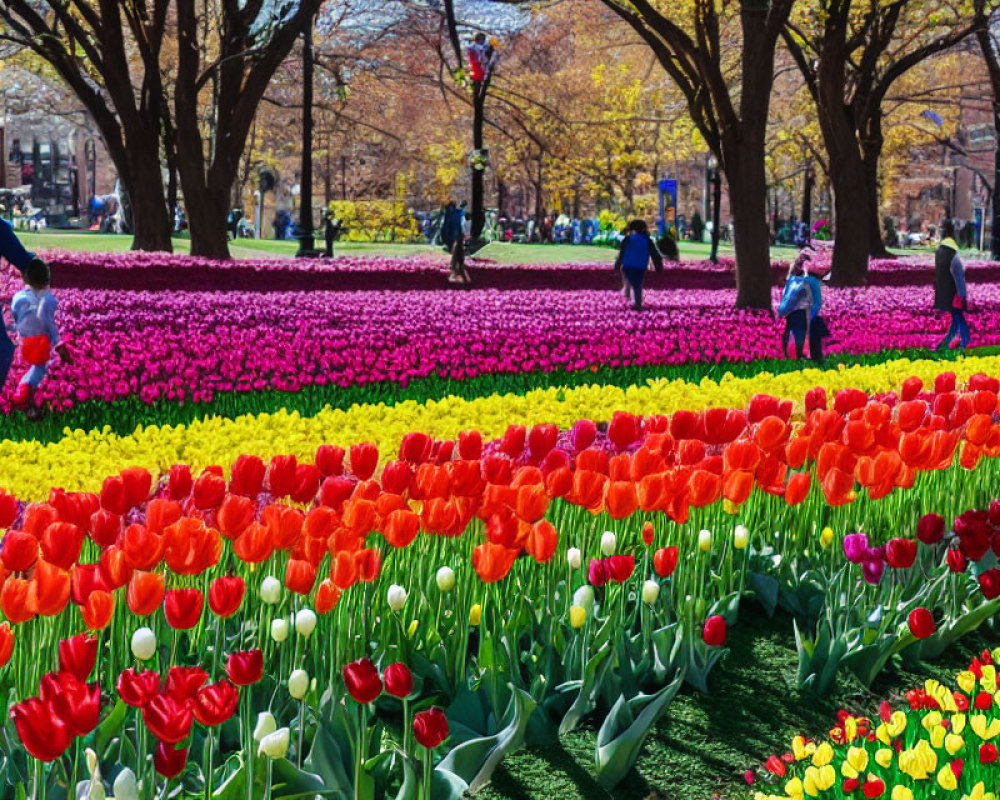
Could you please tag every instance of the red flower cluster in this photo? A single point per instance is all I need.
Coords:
(613, 568)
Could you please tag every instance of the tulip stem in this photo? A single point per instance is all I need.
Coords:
(302, 723)
(428, 767)
(209, 766)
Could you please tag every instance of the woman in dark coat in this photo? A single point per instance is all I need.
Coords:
(949, 287)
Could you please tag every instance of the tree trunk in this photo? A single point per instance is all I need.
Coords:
(207, 221)
(478, 191)
(850, 202)
(748, 202)
(144, 183)
(872, 141)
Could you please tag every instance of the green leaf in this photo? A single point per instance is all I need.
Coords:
(766, 589)
(288, 782)
(587, 698)
(110, 728)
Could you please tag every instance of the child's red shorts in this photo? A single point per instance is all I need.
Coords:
(37, 350)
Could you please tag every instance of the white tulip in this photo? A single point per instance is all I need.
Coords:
(274, 745)
(125, 787)
(298, 684)
(741, 537)
(279, 629)
(270, 590)
(265, 725)
(584, 597)
(609, 542)
(305, 622)
(705, 541)
(445, 579)
(650, 591)
(396, 597)
(574, 558)
(144, 644)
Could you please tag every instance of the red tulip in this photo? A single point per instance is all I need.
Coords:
(901, 553)
(330, 459)
(225, 595)
(8, 509)
(169, 761)
(216, 703)
(930, 528)
(620, 568)
(137, 482)
(364, 460)
(327, 597)
(398, 680)
(182, 608)
(647, 534)
(247, 478)
(78, 655)
(138, 688)
(430, 728)
(989, 582)
(208, 491)
(19, 551)
(957, 561)
(665, 561)
(180, 482)
(362, 681)
(775, 766)
(43, 734)
(921, 623)
(246, 667)
(61, 544)
(168, 719)
(113, 497)
(183, 683)
(71, 700)
(714, 632)
(6, 643)
(598, 573)
(300, 576)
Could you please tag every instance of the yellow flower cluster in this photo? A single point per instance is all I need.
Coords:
(81, 460)
(950, 738)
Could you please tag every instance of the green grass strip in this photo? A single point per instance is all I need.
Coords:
(124, 416)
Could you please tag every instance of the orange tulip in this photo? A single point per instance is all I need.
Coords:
(114, 567)
(978, 430)
(360, 516)
(98, 610)
(161, 514)
(771, 433)
(145, 593)
(798, 488)
(254, 545)
(327, 596)
(542, 541)
(650, 491)
(736, 486)
(401, 527)
(971, 453)
(320, 523)
(622, 500)
(532, 502)
(50, 589)
(838, 487)
(300, 576)
(235, 515)
(15, 602)
(6, 643)
(466, 477)
(704, 488)
(62, 543)
(593, 461)
(559, 482)
(796, 452)
(191, 547)
(369, 563)
(387, 502)
(344, 571)
(911, 415)
(742, 454)
(492, 562)
(142, 548)
(439, 516)
(430, 481)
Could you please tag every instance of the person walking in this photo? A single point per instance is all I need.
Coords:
(799, 300)
(950, 294)
(14, 253)
(636, 251)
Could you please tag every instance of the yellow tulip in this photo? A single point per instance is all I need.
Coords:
(883, 757)
(988, 683)
(801, 749)
(931, 721)
(475, 615)
(823, 755)
(900, 792)
(794, 789)
(896, 724)
(412, 630)
(983, 729)
(918, 762)
(979, 793)
(966, 681)
(826, 537)
(937, 737)
(857, 757)
(958, 722)
(953, 743)
(946, 779)
(577, 616)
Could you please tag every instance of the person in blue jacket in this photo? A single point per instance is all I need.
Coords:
(14, 253)
(636, 251)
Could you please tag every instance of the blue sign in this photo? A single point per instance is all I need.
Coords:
(668, 207)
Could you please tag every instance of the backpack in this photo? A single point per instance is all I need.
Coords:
(796, 292)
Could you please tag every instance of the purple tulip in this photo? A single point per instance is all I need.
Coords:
(856, 547)
(872, 570)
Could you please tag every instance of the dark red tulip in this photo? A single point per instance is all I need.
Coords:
(620, 568)
(169, 761)
(138, 688)
(247, 478)
(71, 700)
(398, 680)
(183, 683)
(216, 703)
(430, 728)
(930, 528)
(598, 573)
(362, 681)
(330, 460)
(246, 667)
(43, 734)
(901, 553)
(921, 623)
(956, 561)
(225, 595)
(78, 655)
(987, 753)
(364, 460)
(168, 719)
(182, 608)
(989, 582)
(714, 632)
(180, 483)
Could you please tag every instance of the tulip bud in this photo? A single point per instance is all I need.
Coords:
(144, 644)
(305, 622)
(396, 597)
(298, 684)
(650, 592)
(705, 541)
(608, 543)
(265, 725)
(577, 616)
(274, 745)
(741, 537)
(270, 590)
(279, 629)
(445, 579)
(411, 631)
(125, 786)
(574, 558)
(475, 615)
(826, 537)
(92, 763)
(584, 597)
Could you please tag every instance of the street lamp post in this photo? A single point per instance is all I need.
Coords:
(716, 180)
(307, 245)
